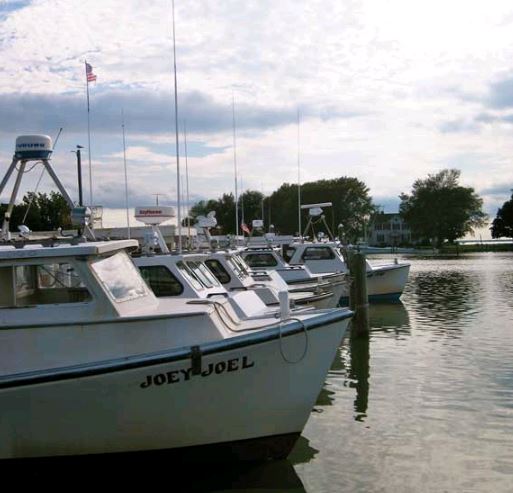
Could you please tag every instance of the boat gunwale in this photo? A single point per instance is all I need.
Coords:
(273, 332)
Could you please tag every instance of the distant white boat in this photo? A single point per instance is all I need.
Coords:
(384, 282)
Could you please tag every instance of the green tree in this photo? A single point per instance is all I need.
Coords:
(251, 202)
(352, 205)
(440, 209)
(45, 212)
(224, 209)
(503, 223)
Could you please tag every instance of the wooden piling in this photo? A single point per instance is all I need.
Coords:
(359, 301)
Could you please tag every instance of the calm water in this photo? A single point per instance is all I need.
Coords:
(426, 403)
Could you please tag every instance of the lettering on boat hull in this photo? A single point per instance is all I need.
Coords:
(184, 375)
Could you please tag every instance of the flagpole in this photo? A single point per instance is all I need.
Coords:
(235, 168)
(177, 149)
(126, 175)
(89, 140)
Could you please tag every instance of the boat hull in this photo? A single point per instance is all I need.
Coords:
(245, 392)
(384, 283)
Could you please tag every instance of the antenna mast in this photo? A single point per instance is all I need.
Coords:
(298, 178)
(235, 168)
(187, 183)
(126, 175)
(177, 149)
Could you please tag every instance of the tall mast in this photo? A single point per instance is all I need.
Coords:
(187, 182)
(177, 143)
(126, 175)
(235, 168)
(298, 179)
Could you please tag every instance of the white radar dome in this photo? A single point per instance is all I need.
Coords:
(33, 147)
(154, 214)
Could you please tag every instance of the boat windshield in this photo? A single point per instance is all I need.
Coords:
(243, 265)
(189, 276)
(120, 277)
(257, 260)
(202, 272)
(239, 271)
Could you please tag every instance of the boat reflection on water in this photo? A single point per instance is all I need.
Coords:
(389, 318)
(147, 469)
(302, 452)
(352, 359)
(359, 374)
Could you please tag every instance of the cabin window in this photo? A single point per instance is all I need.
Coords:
(318, 253)
(161, 280)
(189, 275)
(41, 284)
(202, 272)
(120, 277)
(218, 270)
(261, 260)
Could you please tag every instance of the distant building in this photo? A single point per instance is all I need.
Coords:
(389, 230)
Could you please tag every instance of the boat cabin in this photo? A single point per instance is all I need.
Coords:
(86, 281)
(318, 257)
(261, 258)
(235, 274)
(185, 276)
(189, 276)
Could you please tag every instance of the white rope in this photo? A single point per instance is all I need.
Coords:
(306, 341)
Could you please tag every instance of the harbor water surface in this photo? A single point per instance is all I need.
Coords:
(425, 404)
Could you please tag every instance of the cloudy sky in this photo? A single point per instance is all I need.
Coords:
(387, 92)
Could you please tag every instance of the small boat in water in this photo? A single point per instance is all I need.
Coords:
(384, 282)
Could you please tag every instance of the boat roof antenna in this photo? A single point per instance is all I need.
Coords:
(202, 227)
(316, 216)
(37, 148)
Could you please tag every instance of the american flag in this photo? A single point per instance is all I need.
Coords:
(89, 73)
(245, 228)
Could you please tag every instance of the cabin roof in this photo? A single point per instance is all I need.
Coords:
(10, 252)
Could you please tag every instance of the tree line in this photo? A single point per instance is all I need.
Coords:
(39, 212)
(350, 199)
(437, 209)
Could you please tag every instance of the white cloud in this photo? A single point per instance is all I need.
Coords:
(417, 74)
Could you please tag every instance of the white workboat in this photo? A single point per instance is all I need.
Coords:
(188, 276)
(91, 362)
(272, 259)
(384, 282)
(233, 272)
(221, 273)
